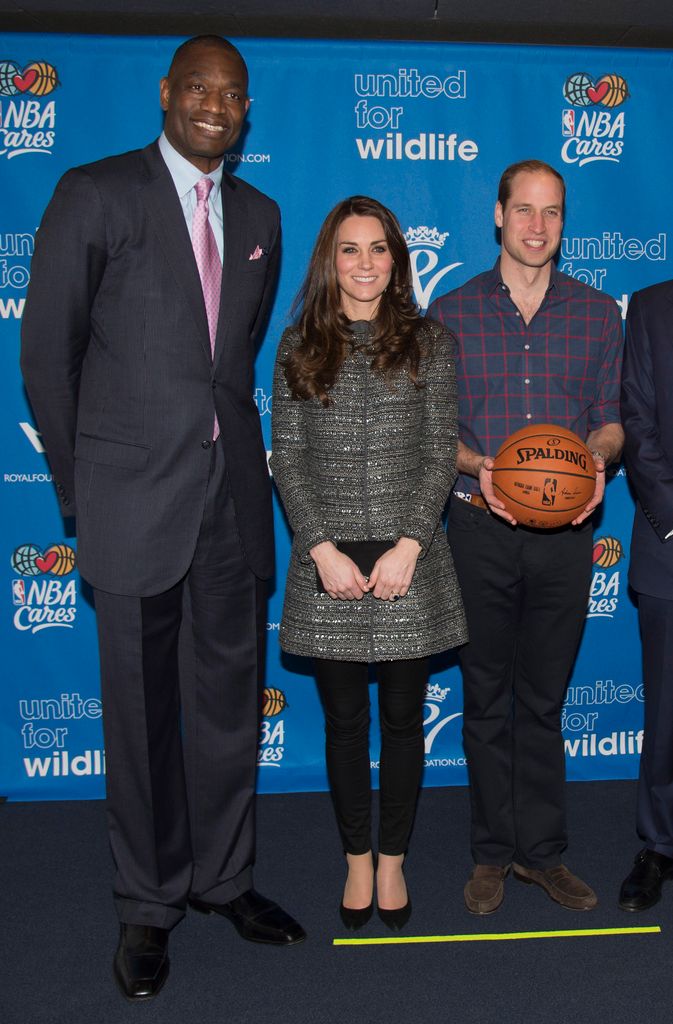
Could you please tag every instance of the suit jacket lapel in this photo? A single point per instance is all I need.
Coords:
(166, 215)
(232, 216)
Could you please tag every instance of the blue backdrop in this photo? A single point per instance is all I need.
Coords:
(425, 128)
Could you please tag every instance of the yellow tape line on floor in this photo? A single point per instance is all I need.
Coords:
(498, 937)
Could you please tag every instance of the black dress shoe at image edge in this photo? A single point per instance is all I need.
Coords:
(141, 962)
(641, 889)
(256, 918)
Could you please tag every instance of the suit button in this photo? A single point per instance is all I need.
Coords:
(213, 384)
(206, 444)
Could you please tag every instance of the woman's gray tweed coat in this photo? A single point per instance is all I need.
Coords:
(376, 464)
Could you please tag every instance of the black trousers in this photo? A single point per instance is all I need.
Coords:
(525, 594)
(655, 785)
(344, 691)
(181, 724)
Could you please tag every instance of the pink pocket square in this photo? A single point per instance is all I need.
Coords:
(258, 253)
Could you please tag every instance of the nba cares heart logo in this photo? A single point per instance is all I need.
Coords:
(581, 90)
(29, 560)
(598, 92)
(47, 562)
(26, 80)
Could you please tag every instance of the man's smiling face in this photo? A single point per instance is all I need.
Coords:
(205, 97)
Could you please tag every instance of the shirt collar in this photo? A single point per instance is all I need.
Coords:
(184, 174)
(494, 281)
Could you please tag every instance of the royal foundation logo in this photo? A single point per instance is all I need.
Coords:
(424, 245)
(592, 127)
(434, 723)
(606, 579)
(272, 733)
(27, 117)
(42, 596)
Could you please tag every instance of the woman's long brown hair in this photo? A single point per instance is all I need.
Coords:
(312, 367)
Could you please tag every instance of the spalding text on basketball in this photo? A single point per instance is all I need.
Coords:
(561, 454)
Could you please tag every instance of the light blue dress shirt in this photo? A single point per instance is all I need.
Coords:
(185, 177)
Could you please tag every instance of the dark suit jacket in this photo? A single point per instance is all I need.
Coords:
(647, 416)
(117, 364)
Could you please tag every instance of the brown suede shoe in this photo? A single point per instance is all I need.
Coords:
(567, 889)
(485, 888)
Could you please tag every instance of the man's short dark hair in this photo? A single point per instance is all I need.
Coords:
(531, 167)
(208, 40)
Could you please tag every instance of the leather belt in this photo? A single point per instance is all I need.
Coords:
(472, 499)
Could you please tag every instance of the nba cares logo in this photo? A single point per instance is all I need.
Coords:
(27, 125)
(592, 133)
(606, 579)
(41, 597)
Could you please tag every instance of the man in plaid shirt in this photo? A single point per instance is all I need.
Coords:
(534, 346)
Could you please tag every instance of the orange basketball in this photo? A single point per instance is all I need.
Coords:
(544, 475)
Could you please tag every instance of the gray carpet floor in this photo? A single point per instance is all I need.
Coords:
(58, 929)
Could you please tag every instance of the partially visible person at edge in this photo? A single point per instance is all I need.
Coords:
(534, 346)
(364, 447)
(647, 413)
(151, 282)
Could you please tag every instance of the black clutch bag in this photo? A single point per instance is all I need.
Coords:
(365, 554)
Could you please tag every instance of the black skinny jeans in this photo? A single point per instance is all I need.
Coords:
(343, 688)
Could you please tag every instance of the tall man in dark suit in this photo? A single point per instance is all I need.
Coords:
(647, 415)
(151, 280)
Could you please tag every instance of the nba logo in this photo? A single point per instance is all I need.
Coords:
(568, 122)
(18, 592)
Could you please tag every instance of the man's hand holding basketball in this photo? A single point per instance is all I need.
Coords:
(486, 486)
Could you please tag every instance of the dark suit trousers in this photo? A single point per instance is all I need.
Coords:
(655, 786)
(180, 682)
(525, 594)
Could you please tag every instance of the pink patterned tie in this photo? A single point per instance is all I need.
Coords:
(209, 263)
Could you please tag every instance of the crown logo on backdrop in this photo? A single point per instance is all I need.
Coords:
(423, 235)
(436, 692)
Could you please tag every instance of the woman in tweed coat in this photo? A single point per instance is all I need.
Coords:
(364, 449)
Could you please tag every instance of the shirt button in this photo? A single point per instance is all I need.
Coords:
(206, 444)
(527, 380)
(526, 347)
(518, 313)
(529, 416)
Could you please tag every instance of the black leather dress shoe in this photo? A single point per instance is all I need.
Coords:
(642, 887)
(141, 961)
(256, 918)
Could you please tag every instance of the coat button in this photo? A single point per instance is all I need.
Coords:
(206, 444)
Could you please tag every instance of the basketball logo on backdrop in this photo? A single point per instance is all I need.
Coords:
(606, 580)
(41, 596)
(27, 125)
(591, 127)
(424, 244)
(272, 734)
